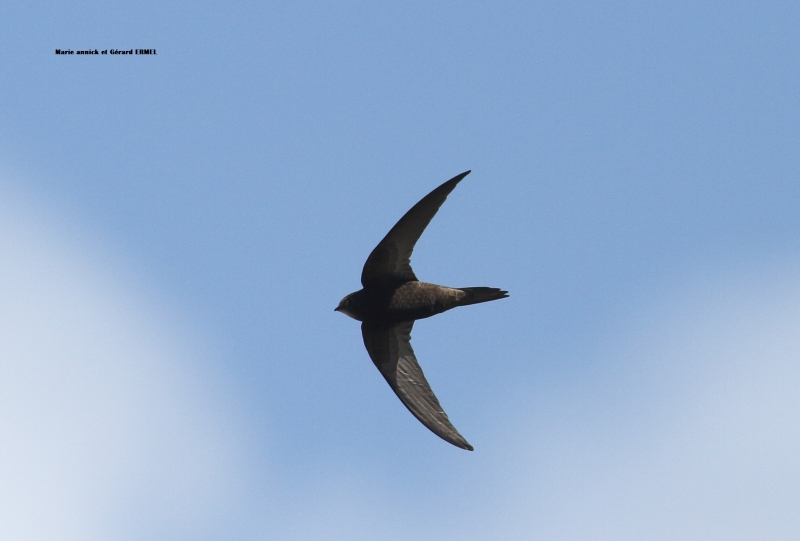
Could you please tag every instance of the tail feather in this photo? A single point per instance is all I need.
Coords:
(474, 295)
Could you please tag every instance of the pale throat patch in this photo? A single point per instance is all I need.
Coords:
(347, 312)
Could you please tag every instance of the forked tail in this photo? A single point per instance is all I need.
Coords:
(474, 295)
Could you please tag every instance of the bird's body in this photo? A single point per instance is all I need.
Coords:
(412, 300)
(392, 299)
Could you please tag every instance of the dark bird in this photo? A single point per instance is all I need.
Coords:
(392, 299)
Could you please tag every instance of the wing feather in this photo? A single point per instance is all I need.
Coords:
(390, 350)
(391, 258)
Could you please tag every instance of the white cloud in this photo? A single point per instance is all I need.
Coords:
(695, 435)
(107, 428)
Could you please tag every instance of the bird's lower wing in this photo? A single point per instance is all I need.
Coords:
(390, 350)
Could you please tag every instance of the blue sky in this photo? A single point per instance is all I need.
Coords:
(177, 229)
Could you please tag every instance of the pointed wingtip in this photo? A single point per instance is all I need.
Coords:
(455, 439)
(450, 184)
(459, 442)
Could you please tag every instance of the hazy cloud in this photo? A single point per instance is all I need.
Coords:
(106, 428)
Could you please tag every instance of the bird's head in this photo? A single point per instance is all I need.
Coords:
(349, 306)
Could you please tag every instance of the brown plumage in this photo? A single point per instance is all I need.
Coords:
(392, 299)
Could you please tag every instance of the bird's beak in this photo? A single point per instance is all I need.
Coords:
(336, 309)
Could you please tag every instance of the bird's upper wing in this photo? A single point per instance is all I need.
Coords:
(390, 350)
(390, 260)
